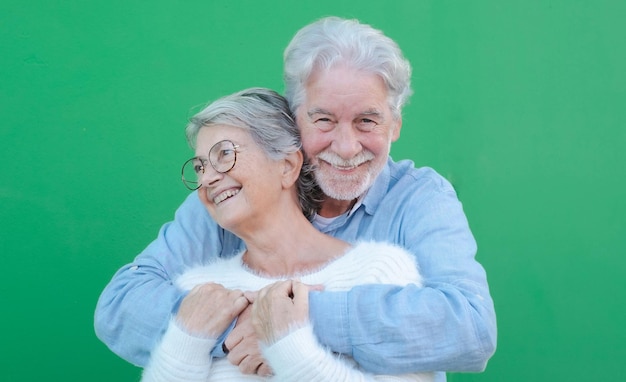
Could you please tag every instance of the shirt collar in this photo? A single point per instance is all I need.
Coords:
(375, 194)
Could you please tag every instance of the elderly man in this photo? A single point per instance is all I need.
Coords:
(346, 83)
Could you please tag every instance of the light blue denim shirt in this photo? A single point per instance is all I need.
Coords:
(448, 325)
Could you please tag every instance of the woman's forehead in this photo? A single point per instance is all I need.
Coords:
(210, 135)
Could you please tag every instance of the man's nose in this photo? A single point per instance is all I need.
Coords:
(346, 141)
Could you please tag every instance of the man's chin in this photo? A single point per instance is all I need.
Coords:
(341, 190)
(343, 185)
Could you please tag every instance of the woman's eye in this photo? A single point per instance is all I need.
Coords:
(226, 153)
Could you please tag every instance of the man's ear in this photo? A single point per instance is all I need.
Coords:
(397, 126)
(291, 168)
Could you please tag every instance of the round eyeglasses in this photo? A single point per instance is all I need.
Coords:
(222, 157)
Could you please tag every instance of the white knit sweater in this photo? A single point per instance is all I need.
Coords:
(298, 356)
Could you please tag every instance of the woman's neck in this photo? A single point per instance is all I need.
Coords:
(289, 247)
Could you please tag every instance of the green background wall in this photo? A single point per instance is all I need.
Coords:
(521, 104)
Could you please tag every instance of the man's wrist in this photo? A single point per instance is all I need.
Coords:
(220, 350)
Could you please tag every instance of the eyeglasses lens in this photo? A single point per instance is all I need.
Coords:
(192, 171)
(222, 156)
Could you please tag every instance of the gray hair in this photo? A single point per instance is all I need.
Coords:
(265, 115)
(331, 41)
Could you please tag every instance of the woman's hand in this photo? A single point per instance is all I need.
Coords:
(280, 308)
(209, 308)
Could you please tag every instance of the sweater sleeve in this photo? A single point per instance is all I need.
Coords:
(180, 357)
(299, 357)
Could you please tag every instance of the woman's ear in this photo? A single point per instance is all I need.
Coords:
(291, 168)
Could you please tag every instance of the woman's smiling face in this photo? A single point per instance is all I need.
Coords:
(245, 192)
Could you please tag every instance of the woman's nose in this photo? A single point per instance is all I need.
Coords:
(210, 176)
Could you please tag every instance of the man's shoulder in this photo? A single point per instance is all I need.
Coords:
(406, 172)
(403, 180)
(192, 208)
(403, 184)
(193, 222)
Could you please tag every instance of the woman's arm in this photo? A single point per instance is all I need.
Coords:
(184, 354)
(180, 357)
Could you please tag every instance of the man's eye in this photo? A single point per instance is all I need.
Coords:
(366, 124)
(198, 168)
(324, 124)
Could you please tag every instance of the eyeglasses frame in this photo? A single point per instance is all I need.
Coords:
(187, 182)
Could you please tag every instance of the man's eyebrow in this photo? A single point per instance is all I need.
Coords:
(318, 110)
(372, 112)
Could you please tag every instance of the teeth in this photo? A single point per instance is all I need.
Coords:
(346, 167)
(225, 195)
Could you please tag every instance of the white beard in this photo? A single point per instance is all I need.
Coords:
(343, 187)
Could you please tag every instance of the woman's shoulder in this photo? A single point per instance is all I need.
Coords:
(373, 262)
(220, 271)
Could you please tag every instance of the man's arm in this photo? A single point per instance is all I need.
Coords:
(448, 325)
(282, 308)
(135, 307)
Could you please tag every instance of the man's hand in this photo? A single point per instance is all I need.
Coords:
(209, 309)
(243, 345)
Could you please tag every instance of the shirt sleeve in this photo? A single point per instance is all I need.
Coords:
(447, 325)
(133, 310)
(179, 357)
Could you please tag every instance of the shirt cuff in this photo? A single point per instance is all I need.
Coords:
(328, 312)
(218, 350)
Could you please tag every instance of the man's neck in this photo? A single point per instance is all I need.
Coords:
(332, 207)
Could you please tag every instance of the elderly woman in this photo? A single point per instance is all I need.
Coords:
(249, 173)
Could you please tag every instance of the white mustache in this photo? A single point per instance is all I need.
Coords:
(336, 161)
